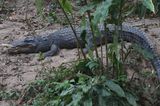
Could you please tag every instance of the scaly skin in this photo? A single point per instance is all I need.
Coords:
(64, 38)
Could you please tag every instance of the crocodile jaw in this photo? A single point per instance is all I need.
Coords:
(21, 47)
(17, 50)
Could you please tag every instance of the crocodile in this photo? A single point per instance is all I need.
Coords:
(64, 38)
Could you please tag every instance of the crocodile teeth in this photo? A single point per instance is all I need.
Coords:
(6, 45)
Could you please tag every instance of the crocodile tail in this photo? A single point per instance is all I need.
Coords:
(134, 35)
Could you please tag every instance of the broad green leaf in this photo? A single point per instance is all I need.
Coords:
(83, 23)
(101, 91)
(67, 91)
(88, 102)
(115, 87)
(101, 101)
(83, 36)
(66, 5)
(84, 9)
(83, 28)
(76, 98)
(86, 88)
(102, 11)
(92, 65)
(105, 93)
(63, 85)
(149, 4)
(96, 29)
(131, 99)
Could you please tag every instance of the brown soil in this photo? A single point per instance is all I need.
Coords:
(18, 70)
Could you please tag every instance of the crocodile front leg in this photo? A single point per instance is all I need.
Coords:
(53, 51)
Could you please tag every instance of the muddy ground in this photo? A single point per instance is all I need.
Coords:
(18, 70)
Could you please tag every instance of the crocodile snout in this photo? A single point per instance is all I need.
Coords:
(21, 49)
(6, 45)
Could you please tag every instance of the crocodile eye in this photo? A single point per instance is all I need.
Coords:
(44, 38)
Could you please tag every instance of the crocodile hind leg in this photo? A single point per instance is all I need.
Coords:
(53, 51)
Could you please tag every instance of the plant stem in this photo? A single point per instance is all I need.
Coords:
(73, 20)
(105, 27)
(101, 65)
(119, 33)
(94, 39)
(78, 41)
(26, 14)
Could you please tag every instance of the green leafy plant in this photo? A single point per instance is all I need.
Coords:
(40, 56)
(8, 95)
(80, 89)
(39, 5)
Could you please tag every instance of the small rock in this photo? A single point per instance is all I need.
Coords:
(23, 27)
(154, 35)
(61, 55)
(5, 37)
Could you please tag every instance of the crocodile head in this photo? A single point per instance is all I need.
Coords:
(27, 45)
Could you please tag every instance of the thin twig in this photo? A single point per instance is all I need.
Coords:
(26, 14)
(94, 39)
(106, 42)
(79, 44)
(101, 65)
